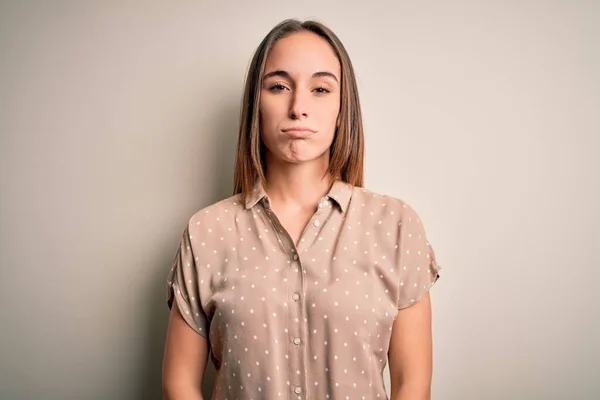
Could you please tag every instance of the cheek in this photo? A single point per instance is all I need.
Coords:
(271, 109)
(328, 115)
(269, 120)
(265, 116)
(329, 111)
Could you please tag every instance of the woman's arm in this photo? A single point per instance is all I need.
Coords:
(410, 352)
(185, 358)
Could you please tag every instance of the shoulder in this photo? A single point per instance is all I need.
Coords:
(216, 213)
(371, 202)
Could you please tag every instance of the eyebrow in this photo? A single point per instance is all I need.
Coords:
(285, 74)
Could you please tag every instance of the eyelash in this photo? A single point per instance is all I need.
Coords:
(278, 87)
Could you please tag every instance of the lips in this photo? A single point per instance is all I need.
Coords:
(300, 132)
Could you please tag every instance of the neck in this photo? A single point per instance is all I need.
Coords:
(297, 186)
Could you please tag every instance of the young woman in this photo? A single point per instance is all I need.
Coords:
(303, 282)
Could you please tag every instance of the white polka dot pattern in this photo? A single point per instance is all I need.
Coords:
(308, 321)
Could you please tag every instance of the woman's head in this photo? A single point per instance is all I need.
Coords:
(300, 77)
(300, 90)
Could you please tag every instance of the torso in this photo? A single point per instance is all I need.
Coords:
(305, 302)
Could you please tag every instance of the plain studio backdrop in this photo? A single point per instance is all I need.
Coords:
(119, 120)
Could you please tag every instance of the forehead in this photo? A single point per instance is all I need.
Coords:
(303, 53)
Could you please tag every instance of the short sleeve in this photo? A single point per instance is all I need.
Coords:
(419, 269)
(182, 284)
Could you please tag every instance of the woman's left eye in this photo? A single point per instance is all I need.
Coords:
(322, 90)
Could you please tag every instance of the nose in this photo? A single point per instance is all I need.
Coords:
(298, 106)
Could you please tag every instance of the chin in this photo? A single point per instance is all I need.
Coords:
(302, 154)
(302, 157)
(295, 159)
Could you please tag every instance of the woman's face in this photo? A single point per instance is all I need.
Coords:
(300, 98)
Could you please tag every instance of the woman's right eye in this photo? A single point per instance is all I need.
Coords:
(277, 87)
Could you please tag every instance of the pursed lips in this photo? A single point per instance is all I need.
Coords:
(299, 132)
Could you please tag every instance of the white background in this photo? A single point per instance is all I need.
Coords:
(118, 121)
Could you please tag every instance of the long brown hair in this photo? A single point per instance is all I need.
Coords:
(347, 150)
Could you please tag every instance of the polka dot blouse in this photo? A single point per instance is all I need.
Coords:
(306, 322)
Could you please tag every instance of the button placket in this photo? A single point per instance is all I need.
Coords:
(297, 330)
(299, 349)
(280, 231)
(298, 333)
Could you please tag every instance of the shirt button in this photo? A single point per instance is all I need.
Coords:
(296, 341)
(297, 390)
(295, 296)
(295, 257)
(317, 223)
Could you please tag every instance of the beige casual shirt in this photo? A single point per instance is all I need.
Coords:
(306, 322)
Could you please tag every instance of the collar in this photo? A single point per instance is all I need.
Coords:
(257, 194)
(340, 193)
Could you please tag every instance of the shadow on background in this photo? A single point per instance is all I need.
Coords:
(225, 128)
